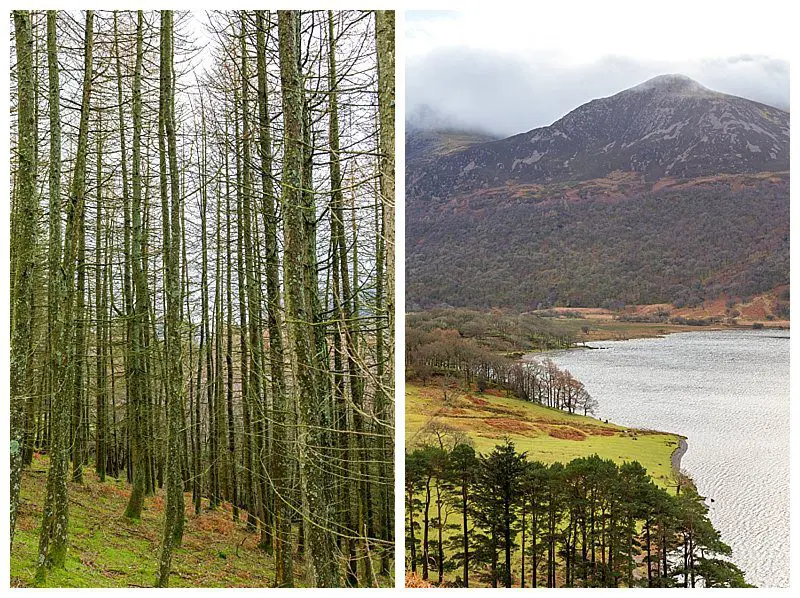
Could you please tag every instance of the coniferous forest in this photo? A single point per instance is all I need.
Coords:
(202, 284)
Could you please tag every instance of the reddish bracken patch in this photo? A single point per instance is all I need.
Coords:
(495, 393)
(598, 431)
(110, 490)
(453, 411)
(158, 503)
(565, 433)
(477, 400)
(757, 309)
(214, 522)
(509, 425)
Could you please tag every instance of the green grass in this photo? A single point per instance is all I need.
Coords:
(107, 550)
(547, 435)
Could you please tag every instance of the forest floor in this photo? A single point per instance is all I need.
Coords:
(547, 435)
(108, 550)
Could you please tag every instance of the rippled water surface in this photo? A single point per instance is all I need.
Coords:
(728, 393)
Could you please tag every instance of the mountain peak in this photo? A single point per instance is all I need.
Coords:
(673, 84)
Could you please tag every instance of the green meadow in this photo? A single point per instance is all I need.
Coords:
(547, 435)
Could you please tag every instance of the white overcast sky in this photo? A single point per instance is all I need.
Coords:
(507, 70)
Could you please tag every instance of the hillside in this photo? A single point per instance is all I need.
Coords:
(548, 435)
(664, 193)
(107, 550)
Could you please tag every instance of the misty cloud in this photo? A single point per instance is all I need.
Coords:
(504, 93)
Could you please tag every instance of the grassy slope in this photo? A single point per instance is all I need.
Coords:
(548, 435)
(107, 550)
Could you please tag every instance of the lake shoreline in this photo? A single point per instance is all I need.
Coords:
(678, 454)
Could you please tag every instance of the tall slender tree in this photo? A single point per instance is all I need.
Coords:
(171, 203)
(22, 250)
(136, 366)
(53, 535)
(279, 469)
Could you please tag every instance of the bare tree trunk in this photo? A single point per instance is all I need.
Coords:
(280, 471)
(232, 464)
(249, 499)
(127, 288)
(253, 309)
(205, 351)
(100, 319)
(337, 230)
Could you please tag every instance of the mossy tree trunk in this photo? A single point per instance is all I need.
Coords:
(127, 283)
(385, 43)
(53, 534)
(135, 368)
(22, 252)
(171, 209)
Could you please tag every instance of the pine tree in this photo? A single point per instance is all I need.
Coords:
(461, 472)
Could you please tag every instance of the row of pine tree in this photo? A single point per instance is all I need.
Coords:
(502, 519)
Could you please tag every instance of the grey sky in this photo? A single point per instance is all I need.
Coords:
(478, 71)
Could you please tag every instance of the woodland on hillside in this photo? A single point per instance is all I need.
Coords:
(679, 246)
(202, 276)
(495, 330)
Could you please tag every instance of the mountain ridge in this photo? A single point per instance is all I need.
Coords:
(667, 126)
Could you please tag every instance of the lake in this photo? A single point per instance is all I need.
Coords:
(728, 393)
